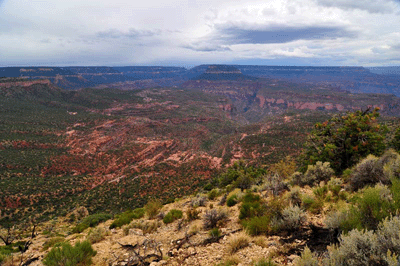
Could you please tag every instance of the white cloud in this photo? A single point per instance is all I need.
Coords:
(124, 32)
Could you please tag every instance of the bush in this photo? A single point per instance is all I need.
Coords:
(79, 213)
(251, 206)
(147, 227)
(265, 262)
(258, 225)
(97, 234)
(213, 217)
(199, 201)
(251, 209)
(307, 258)
(192, 214)
(284, 168)
(388, 235)
(367, 172)
(370, 206)
(52, 242)
(232, 200)
(208, 187)
(152, 208)
(395, 143)
(243, 182)
(274, 184)
(368, 248)
(356, 248)
(91, 221)
(214, 233)
(232, 261)
(335, 185)
(292, 218)
(67, 255)
(312, 204)
(250, 197)
(317, 173)
(294, 196)
(395, 191)
(231, 174)
(237, 243)
(213, 194)
(320, 191)
(172, 215)
(297, 178)
(391, 167)
(335, 219)
(126, 217)
(223, 200)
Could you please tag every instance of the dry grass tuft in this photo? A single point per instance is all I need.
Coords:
(238, 242)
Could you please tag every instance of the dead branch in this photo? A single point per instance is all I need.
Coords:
(178, 243)
(217, 239)
(8, 236)
(29, 261)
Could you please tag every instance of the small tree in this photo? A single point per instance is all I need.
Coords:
(396, 140)
(344, 139)
(8, 235)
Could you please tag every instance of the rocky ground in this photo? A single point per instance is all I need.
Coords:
(181, 242)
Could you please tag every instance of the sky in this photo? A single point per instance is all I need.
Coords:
(193, 32)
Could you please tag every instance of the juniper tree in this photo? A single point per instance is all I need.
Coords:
(344, 139)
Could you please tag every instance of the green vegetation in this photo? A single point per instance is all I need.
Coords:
(66, 255)
(252, 206)
(344, 139)
(127, 217)
(91, 221)
(152, 208)
(344, 173)
(258, 225)
(240, 175)
(213, 194)
(307, 258)
(97, 234)
(317, 173)
(172, 216)
(265, 262)
(8, 250)
(52, 242)
(232, 200)
(214, 234)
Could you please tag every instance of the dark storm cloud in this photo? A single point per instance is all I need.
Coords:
(283, 34)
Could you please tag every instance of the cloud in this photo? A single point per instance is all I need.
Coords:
(396, 47)
(79, 32)
(131, 33)
(281, 34)
(206, 47)
(371, 6)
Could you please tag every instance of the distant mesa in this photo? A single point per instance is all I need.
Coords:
(222, 69)
(384, 80)
(223, 72)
